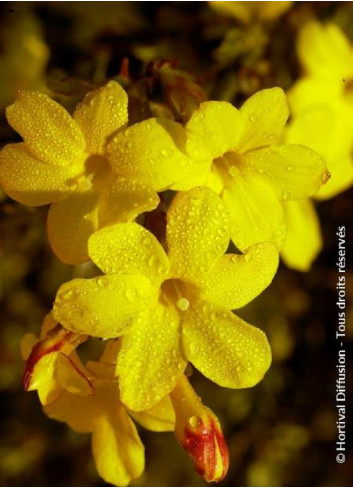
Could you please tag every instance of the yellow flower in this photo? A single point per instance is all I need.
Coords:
(52, 365)
(303, 239)
(200, 433)
(173, 308)
(236, 153)
(63, 161)
(249, 11)
(117, 449)
(24, 56)
(322, 102)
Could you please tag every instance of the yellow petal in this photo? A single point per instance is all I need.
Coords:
(103, 306)
(123, 200)
(333, 141)
(44, 378)
(71, 377)
(264, 115)
(197, 232)
(334, 138)
(303, 240)
(308, 92)
(102, 112)
(30, 180)
(151, 152)
(293, 171)
(79, 412)
(150, 361)
(70, 223)
(214, 129)
(159, 418)
(256, 214)
(325, 51)
(246, 11)
(128, 248)
(238, 10)
(341, 171)
(47, 128)
(117, 449)
(270, 10)
(237, 279)
(225, 348)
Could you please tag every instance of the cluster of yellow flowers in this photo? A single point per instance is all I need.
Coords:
(166, 298)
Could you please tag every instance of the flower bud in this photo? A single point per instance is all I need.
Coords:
(200, 433)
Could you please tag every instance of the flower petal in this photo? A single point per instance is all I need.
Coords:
(123, 200)
(159, 418)
(70, 223)
(333, 142)
(341, 171)
(128, 248)
(44, 378)
(197, 232)
(31, 181)
(225, 348)
(214, 129)
(103, 306)
(117, 449)
(71, 377)
(264, 115)
(325, 51)
(237, 279)
(256, 215)
(47, 128)
(303, 240)
(79, 412)
(150, 361)
(151, 152)
(308, 92)
(292, 171)
(102, 112)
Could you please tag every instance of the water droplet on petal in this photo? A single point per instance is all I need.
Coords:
(253, 118)
(166, 153)
(183, 304)
(247, 257)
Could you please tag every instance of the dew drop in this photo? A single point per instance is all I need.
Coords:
(290, 168)
(233, 171)
(194, 422)
(166, 153)
(183, 304)
(253, 118)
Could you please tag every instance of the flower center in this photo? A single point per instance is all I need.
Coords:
(227, 166)
(96, 172)
(175, 292)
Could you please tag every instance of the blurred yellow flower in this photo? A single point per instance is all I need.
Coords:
(52, 365)
(303, 238)
(173, 308)
(322, 102)
(250, 11)
(63, 161)
(236, 153)
(322, 106)
(23, 58)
